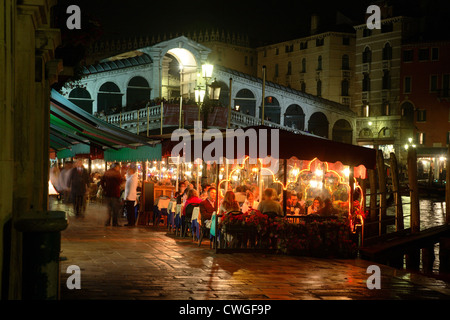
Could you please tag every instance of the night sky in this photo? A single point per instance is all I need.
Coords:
(262, 21)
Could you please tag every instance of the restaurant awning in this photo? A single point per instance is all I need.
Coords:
(301, 146)
(74, 131)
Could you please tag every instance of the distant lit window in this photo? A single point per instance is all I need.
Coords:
(365, 111)
(421, 138)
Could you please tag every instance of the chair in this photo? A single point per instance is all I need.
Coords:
(163, 204)
(177, 219)
(271, 214)
(188, 216)
(195, 225)
(171, 215)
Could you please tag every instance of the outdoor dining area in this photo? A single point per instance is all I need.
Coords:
(307, 201)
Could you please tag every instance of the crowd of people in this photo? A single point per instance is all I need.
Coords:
(118, 188)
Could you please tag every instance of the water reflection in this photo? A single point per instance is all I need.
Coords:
(432, 214)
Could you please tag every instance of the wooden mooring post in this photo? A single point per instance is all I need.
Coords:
(382, 187)
(413, 255)
(399, 224)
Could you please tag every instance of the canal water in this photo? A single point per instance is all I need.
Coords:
(432, 214)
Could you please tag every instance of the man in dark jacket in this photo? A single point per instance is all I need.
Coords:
(207, 206)
(78, 182)
(111, 182)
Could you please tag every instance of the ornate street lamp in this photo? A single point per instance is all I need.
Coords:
(199, 97)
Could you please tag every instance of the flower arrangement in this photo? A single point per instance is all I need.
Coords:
(313, 236)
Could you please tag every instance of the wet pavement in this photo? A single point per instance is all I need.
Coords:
(150, 263)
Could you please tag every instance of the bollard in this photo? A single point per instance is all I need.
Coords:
(41, 249)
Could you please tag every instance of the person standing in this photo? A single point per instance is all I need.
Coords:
(110, 183)
(130, 195)
(78, 182)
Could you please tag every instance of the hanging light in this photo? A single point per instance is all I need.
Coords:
(214, 90)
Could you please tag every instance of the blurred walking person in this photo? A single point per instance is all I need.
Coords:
(110, 183)
(78, 182)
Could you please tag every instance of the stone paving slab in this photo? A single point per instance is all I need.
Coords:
(148, 263)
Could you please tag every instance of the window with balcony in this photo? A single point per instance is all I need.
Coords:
(344, 88)
(345, 62)
(366, 82)
(386, 80)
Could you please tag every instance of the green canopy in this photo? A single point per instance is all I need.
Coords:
(74, 131)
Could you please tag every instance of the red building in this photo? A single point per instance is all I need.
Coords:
(425, 100)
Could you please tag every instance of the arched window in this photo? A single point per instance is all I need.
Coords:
(294, 117)
(109, 98)
(387, 52)
(289, 68)
(367, 55)
(345, 62)
(81, 98)
(246, 101)
(138, 92)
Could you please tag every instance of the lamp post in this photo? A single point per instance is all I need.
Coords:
(209, 92)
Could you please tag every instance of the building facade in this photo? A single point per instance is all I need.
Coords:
(425, 101)
(377, 82)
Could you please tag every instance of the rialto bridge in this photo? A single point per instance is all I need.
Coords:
(124, 89)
